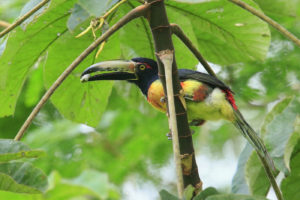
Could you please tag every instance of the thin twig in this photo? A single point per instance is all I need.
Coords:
(4, 24)
(267, 19)
(166, 57)
(137, 12)
(180, 34)
(23, 18)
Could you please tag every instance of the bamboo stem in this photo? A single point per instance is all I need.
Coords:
(166, 57)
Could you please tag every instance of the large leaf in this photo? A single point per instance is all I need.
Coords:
(226, 33)
(65, 189)
(13, 150)
(206, 193)
(78, 16)
(18, 196)
(295, 137)
(22, 178)
(28, 6)
(24, 47)
(256, 176)
(135, 37)
(184, 57)
(80, 102)
(234, 197)
(95, 181)
(96, 8)
(284, 12)
(290, 185)
(165, 195)
(277, 129)
(17, 176)
(239, 184)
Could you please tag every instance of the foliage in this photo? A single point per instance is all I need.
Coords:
(128, 137)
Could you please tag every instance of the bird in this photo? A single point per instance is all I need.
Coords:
(206, 97)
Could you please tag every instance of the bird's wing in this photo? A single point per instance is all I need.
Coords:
(185, 74)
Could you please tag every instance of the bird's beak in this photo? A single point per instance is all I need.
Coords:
(124, 70)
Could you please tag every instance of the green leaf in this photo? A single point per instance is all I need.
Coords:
(23, 49)
(22, 154)
(22, 178)
(277, 130)
(295, 137)
(290, 185)
(20, 196)
(235, 197)
(188, 192)
(136, 37)
(78, 16)
(96, 8)
(14, 150)
(278, 127)
(284, 12)
(256, 176)
(12, 146)
(34, 87)
(28, 6)
(239, 184)
(95, 181)
(184, 57)
(9, 184)
(223, 37)
(80, 102)
(165, 195)
(69, 191)
(206, 193)
(67, 140)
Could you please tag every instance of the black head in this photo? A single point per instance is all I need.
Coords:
(141, 71)
(147, 72)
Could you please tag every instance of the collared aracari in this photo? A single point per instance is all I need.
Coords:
(207, 98)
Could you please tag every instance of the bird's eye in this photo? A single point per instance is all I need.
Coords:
(142, 67)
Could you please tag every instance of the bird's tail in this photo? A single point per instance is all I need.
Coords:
(253, 139)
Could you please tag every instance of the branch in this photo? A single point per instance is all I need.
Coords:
(23, 18)
(4, 24)
(267, 19)
(167, 59)
(161, 32)
(180, 34)
(137, 12)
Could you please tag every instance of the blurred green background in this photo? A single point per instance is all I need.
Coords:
(127, 155)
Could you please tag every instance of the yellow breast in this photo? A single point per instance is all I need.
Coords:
(155, 94)
(203, 103)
